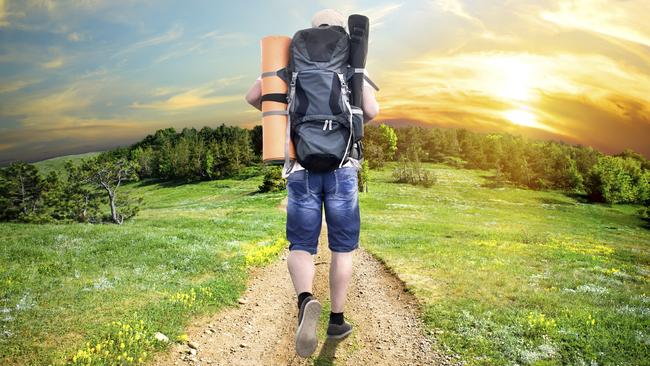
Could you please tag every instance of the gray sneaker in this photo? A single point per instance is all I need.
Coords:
(308, 315)
(337, 331)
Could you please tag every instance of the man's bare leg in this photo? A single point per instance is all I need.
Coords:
(340, 275)
(302, 270)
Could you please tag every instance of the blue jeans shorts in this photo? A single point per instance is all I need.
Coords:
(338, 192)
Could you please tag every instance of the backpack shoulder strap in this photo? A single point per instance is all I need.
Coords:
(288, 164)
(346, 103)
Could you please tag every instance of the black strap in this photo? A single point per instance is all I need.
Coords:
(371, 82)
(275, 97)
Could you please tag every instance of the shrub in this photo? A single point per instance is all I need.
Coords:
(644, 212)
(273, 181)
(618, 180)
(411, 170)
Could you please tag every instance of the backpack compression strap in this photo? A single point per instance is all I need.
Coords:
(352, 71)
(276, 97)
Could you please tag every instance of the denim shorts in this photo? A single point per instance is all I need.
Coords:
(338, 191)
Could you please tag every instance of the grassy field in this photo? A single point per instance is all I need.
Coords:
(507, 276)
(511, 276)
(58, 163)
(102, 291)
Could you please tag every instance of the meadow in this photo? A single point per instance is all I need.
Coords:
(514, 276)
(506, 275)
(83, 292)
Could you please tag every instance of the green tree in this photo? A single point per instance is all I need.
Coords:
(108, 175)
(380, 144)
(471, 150)
(22, 192)
(618, 180)
(81, 200)
(273, 181)
(256, 141)
(513, 163)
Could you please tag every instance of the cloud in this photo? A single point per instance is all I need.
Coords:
(4, 146)
(45, 109)
(377, 14)
(172, 34)
(456, 7)
(204, 43)
(193, 98)
(231, 37)
(511, 90)
(621, 19)
(70, 135)
(53, 64)
(15, 85)
(3, 14)
(597, 124)
(74, 37)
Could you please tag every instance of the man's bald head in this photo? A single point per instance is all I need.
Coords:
(329, 17)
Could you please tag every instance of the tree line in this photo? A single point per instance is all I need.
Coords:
(89, 190)
(76, 196)
(85, 188)
(535, 164)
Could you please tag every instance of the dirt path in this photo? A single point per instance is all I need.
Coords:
(261, 330)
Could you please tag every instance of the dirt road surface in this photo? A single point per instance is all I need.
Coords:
(261, 329)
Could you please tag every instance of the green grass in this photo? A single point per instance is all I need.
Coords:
(63, 287)
(507, 276)
(58, 163)
(512, 276)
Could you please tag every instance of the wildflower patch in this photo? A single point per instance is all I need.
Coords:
(263, 252)
(127, 343)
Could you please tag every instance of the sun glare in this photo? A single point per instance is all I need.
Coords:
(513, 78)
(522, 118)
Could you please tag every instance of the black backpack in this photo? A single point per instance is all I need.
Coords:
(325, 129)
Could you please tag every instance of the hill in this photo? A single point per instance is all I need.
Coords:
(48, 165)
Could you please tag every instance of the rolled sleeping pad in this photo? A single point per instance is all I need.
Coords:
(275, 56)
(359, 29)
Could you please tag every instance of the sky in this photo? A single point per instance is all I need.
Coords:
(89, 75)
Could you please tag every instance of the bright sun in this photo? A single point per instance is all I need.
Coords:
(513, 78)
(522, 118)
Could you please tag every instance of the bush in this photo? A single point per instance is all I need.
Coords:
(411, 170)
(273, 181)
(644, 212)
(618, 180)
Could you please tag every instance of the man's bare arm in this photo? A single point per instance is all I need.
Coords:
(370, 105)
(254, 95)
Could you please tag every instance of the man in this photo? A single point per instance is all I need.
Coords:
(308, 191)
